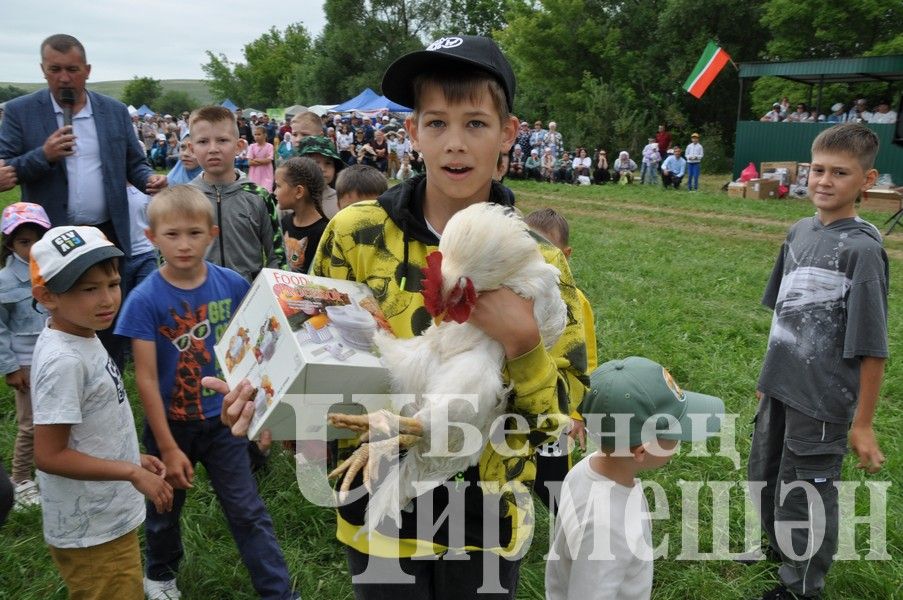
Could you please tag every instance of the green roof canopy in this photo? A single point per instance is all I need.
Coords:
(829, 70)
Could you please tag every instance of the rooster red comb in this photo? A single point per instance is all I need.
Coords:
(461, 299)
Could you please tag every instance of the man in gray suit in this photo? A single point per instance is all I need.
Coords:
(77, 172)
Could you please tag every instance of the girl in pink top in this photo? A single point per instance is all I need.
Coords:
(260, 160)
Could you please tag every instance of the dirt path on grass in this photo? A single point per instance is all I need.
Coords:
(659, 217)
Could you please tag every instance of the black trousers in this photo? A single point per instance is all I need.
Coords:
(435, 579)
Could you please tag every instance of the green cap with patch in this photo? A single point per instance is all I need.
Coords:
(632, 400)
(320, 144)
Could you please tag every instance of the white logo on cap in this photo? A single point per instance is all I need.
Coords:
(445, 43)
(67, 242)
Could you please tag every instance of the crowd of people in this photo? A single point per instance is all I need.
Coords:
(77, 245)
(540, 155)
(859, 112)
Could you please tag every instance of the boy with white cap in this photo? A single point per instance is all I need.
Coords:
(90, 473)
(602, 546)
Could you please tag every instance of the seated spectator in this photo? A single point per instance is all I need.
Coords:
(838, 115)
(883, 114)
(548, 165)
(405, 171)
(158, 152)
(624, 167)
(801, 115)
(516, 164)
(859, 113)
(380, 151)
(601, 173)
(673, 169)
(774, 115)
(564, 170)
(581, 165)
(785, 107)
(533, 166)
(172, 151)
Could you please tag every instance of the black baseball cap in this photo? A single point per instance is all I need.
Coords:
(460, 51)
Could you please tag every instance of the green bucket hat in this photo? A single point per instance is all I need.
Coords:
(320, 144)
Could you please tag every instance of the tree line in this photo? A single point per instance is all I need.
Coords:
(608, 71)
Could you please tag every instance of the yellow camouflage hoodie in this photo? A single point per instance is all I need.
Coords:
(383, 244)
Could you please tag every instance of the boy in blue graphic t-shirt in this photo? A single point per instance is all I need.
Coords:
(174, 317)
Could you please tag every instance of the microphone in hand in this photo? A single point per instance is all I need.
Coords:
(67, 101)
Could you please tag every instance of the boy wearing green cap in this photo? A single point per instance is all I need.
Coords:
(602, 545)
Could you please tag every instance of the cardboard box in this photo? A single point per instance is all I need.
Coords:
(760, 189)
(766, 168)
(736, 189)
(882, 200)
(306, 343)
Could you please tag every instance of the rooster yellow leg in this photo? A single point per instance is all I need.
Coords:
(382, 421)
(369, 457)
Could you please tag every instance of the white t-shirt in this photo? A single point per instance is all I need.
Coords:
(602, 546)
(74, 381)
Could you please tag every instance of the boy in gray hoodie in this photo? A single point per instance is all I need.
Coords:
(250, 237)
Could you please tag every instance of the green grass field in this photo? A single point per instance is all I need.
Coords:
(673, 276)
(196, 88)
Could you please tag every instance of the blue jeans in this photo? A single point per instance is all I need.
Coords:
(226, 459)
(692, 176)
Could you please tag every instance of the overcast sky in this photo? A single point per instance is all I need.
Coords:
(163, 39)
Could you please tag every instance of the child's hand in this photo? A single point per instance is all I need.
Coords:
(153, 464)
(179, 471)
(508, 319)
(238, 404)
(154, 488)
(865, 445)
(578, 432)
(18, 380)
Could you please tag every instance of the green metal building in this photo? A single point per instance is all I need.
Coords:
(757, 141)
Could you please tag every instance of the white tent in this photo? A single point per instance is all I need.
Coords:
(321, 109)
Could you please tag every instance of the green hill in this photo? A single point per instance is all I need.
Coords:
(196, 88)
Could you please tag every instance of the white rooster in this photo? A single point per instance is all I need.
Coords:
(484, 247)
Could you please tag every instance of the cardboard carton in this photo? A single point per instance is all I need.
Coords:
(736, 189)
(306, 344)
(760, 189)
(766, 168)
(882, 200)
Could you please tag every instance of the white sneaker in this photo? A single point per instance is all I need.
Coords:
(161, 590)
(27, 494)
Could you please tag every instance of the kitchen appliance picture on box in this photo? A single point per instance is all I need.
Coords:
(306, 342)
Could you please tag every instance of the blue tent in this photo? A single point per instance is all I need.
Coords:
(368, 101)
(143, 111)
(384, 102)
(229, 104)
(358, 102)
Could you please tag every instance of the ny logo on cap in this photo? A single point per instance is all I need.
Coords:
(67, 242)
(445, 43)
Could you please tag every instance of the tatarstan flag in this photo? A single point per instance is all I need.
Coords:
(707, 68)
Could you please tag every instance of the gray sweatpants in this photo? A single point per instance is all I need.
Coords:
(799, 459)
